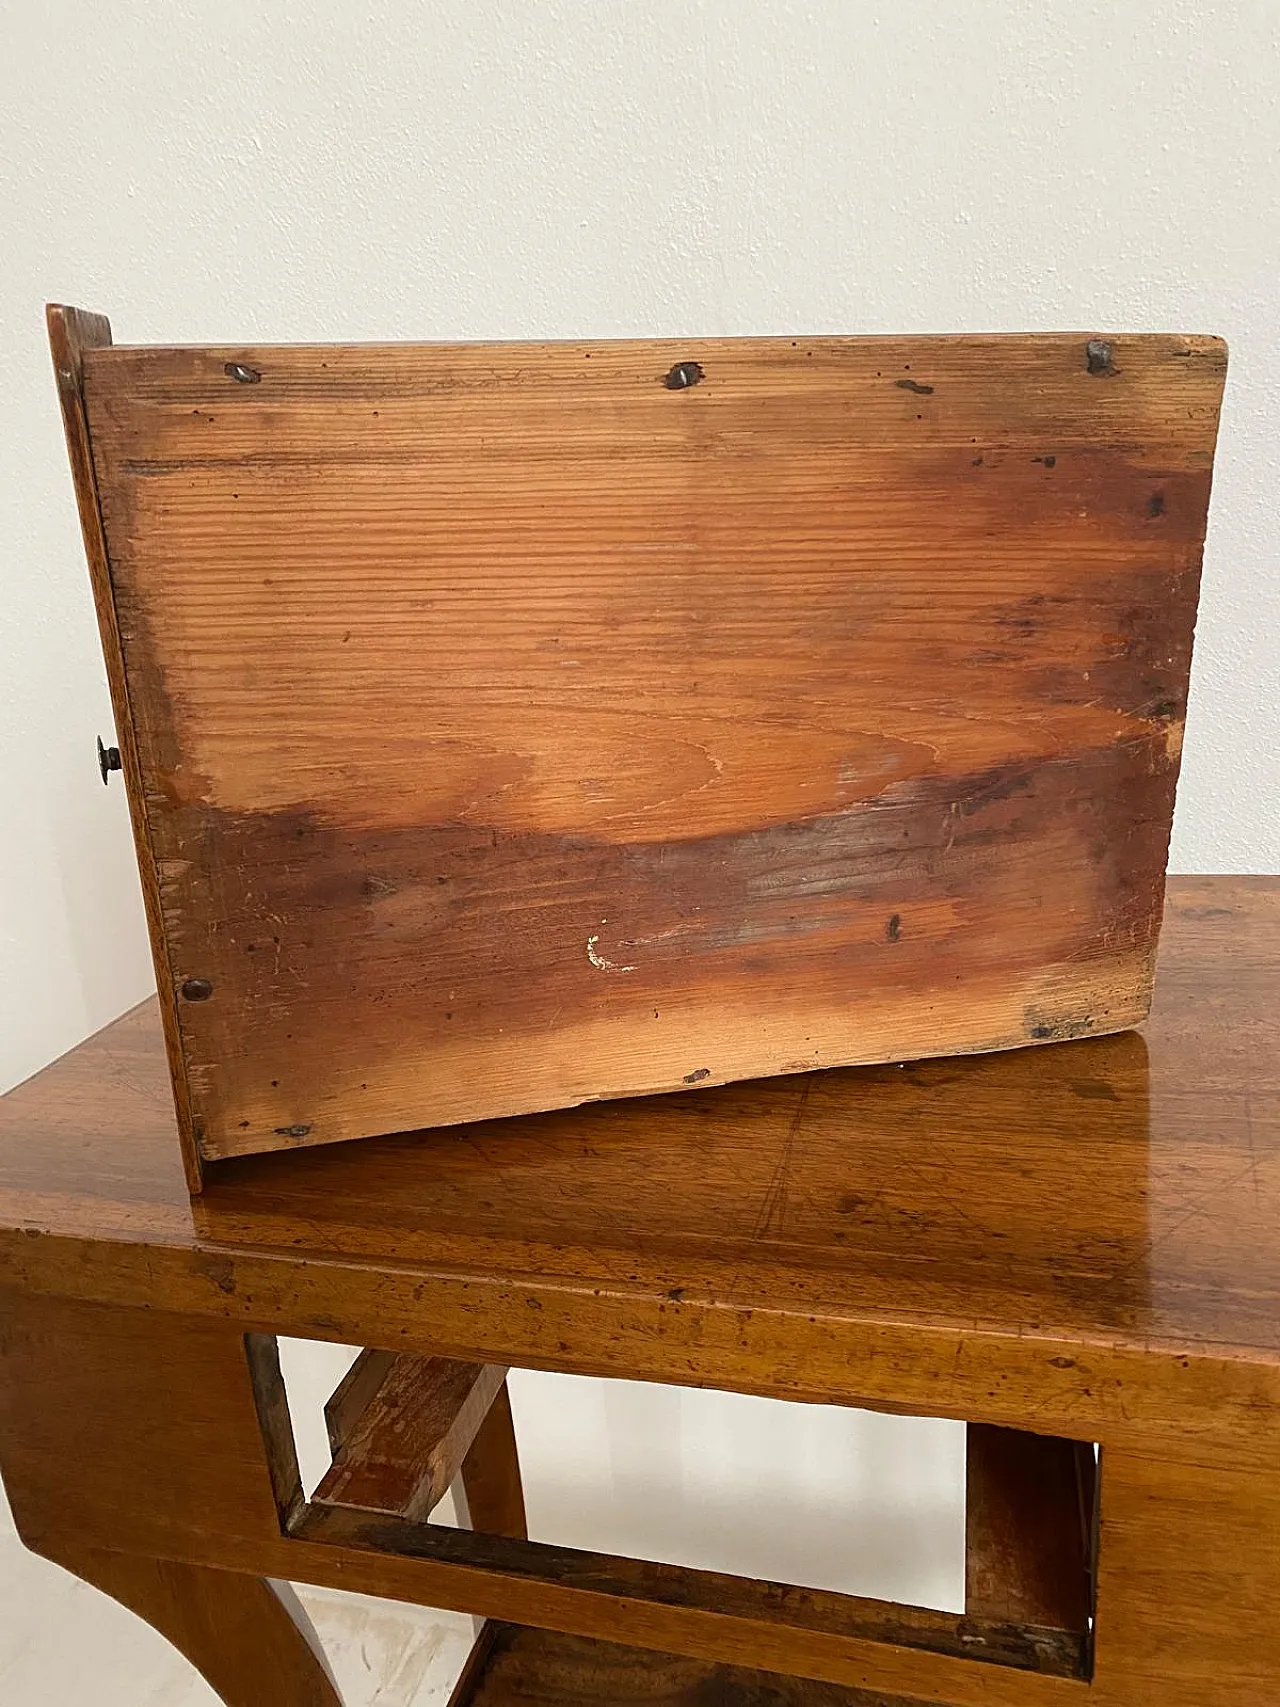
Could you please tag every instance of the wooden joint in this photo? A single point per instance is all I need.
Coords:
(700, 1613)
(400, 1427)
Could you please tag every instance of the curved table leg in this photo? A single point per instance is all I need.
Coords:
(249, 1638)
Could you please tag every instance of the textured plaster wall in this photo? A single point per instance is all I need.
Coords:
(474, 169)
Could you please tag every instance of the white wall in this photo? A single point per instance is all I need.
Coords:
(471, 168)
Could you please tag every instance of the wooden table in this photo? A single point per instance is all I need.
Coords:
(1078, 1243)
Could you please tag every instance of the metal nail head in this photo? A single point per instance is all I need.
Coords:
(108, 760)
(197, 989)
(1097, 355)
(682, 376)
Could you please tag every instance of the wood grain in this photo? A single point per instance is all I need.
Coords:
(72, 334)
(235, 1629)
(1085, 1235)
(492, 1489)
(135, 1431)
(519, 1667)
(515, 731)
(1029, 1528)
(345, 1405)
(568, 1584)
(401, 1454)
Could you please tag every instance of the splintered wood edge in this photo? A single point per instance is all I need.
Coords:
(72, 331)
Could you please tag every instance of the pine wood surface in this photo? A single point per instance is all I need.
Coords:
(510, 729)
(72, 333)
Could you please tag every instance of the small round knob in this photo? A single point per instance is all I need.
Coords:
(108, 759)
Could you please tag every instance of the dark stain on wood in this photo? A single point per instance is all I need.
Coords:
(1096, 1090)
(1041, 1028)
(509, 939)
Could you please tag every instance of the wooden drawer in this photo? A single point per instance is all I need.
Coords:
(509, 726)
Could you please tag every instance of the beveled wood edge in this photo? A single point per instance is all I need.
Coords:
(275, 1423)
(343, 1407)
(72, 332)
(1055, 1382)
(1089, 1489)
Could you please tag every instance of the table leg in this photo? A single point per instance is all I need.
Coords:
(249, 1638)
(130, 1441)
(491, 1473)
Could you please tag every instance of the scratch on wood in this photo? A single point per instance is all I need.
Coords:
(773, 1211)
(601, 961)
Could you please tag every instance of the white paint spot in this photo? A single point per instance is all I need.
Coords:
(599, 960)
